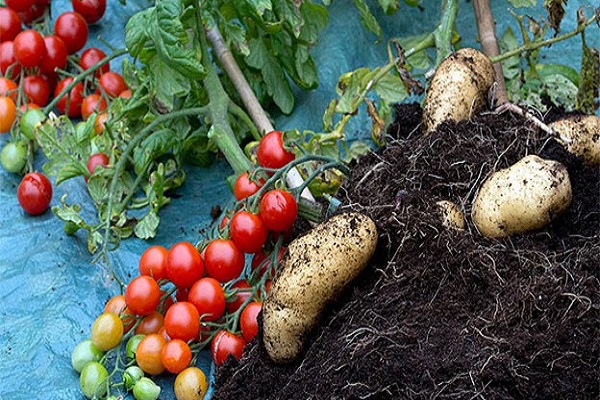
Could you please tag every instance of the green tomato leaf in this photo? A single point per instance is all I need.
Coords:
(315, 19)
(389, 6)
(277, 85)
(172, 42)
(168, 83)
(511, 66)
(147, 226)
(260, 6)
(70, 170)
(235, 37)
(589, 80)
(367, 18)
(289, 11)
(305, 68)
(136, 31)
(328, 115)
(523, 3)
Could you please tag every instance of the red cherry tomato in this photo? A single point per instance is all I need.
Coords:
(181, 294)
(20, 5)
(182, 321)
(92, 103)
(97, 160)
(8, 88)
(248, 320)
(153, 262)
(112, 83)
(223, 260)
(91, 57)
(8, 63)
(225, 344)
(8, 113)
(72, 29)
(10, 24)
(142, 295)
(176, 356)
(34, 193)
(29, 48)
(74, 98)
(36, 90)
(248, 232)
(126, 94)
(151, 323)
(33, 13)
(91, 10)
(278, 210)
(271, 153)
(208, 298)
(56, 54)
(184, 264)
(244, 187)
(262, 260)
(243, 291)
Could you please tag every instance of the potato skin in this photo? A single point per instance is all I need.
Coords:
(458, 88)
(521, 198)
(584, 133)
(317, 267)
(451, 215)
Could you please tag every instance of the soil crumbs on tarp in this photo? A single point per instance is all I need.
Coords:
(445, 314)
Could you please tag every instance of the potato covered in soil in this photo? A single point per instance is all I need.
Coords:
(459, 87)
(521, 198)
(583, 132)
(451, 215)
(318, 266)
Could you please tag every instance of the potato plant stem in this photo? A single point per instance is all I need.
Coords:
(536, 45)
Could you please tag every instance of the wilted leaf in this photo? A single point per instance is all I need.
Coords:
(589, 80)
(147, 226)
(556, 12)
(377, 124)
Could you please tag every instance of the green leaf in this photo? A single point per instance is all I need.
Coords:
(367, 18)
(558, 69)
(357, 149)
(305, 69)
(157, 144)
(350, 85)
(523, 3)
(391, 89)
(136, 31)
(169, 84)
(277, 85)
(419, 60)
(389, 6)
(147, 226)
(556, 12)
(511, 67)
(235, 37)
(589, 80)
(171, 40)
(289, 11)
(560, 90)
(260, 6)
(328, 115)
(70, 170)
(315, 19)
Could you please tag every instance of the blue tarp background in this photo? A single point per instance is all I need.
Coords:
(51, 292)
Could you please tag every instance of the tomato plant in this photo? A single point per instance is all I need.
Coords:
(72, 100)
(271, 153)
(278, 210)
(107, 331)
(131, 346)
(34, 193)
(8, 113)
(142, 295)
(91, 57)
(91, 10)
(29, 121)
(10, 24)
(245, 187)
(176, 356)
(151, 323)
(223, 260)
(153, 262)
(182, 321)
(36, 90)
(112, 83)
(184, 264)
(100, 122)
(56, 55)
(190, 384)
(247, 232)
(225, 344)
(147, 354)
(72, 28)
(209, 299)
(248, 320)
(29, 48)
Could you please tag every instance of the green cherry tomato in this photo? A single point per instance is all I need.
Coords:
(93, 380)
(131, 376)
(29, 120)
(131, 346)
(83, 353)
(145, 389)
(14, 156)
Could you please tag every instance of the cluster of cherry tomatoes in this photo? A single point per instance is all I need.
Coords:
(38, 62)
(188, 298)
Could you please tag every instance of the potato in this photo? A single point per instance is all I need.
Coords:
(521, 198)
(459, 87)
(451, 215)
(584, 135)
(317, 267)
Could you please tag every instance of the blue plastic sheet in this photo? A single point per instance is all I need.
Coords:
(51, 292)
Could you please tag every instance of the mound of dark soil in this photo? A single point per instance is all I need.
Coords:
(446, 314)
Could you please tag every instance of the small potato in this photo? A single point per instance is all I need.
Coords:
(318, 266)
(459, 87)
(584, 135)
(521, 198)
(451, 215)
